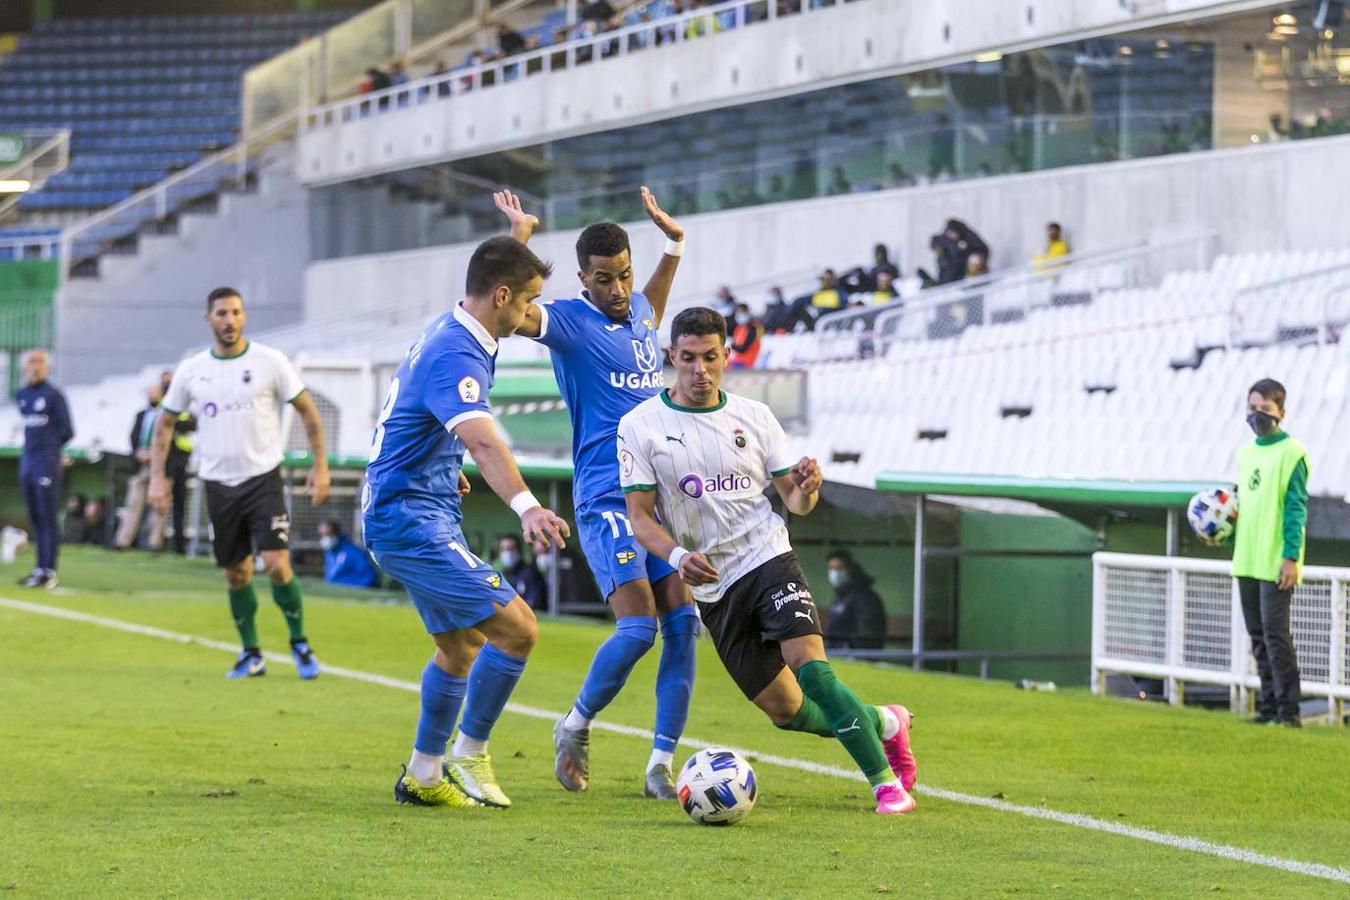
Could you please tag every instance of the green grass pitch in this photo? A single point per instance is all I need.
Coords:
(130, 767)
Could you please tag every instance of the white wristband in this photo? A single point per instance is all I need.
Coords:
(676, 557)
(675, 248)
(524, 502)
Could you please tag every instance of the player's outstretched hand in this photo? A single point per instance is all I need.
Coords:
(318, 483)
(543, 524)
(660, 217)
(807, 476)
(464, 486)
(522, 223)
(696, 570)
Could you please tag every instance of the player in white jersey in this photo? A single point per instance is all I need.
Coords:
(237, 390)
(701, 459)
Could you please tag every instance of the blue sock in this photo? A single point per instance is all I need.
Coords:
(491, 681)
(633, 636)
(442, 694)
(675, 676)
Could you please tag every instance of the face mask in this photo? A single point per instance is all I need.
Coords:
(328, 542)
(543, 561)
(509, 558)
(837, 578)
(1262, 423)
(742, 319)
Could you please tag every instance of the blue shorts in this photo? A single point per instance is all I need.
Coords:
(614, 555)
(451, 588)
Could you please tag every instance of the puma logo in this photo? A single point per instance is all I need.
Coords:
(677, 440)
(854, 727)
(802, 615)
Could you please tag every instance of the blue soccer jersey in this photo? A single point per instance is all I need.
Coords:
(412, 483)
(604, 369)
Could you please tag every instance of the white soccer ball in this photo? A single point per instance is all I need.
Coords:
(1213, 515)
(717, 787)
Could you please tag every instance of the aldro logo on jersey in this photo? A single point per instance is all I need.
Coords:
(695, 486)
(648, 362)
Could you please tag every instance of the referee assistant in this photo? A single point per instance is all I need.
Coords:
(237, 389)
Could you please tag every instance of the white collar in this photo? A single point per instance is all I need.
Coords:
(475, 328)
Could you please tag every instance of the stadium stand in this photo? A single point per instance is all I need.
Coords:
(143, 96)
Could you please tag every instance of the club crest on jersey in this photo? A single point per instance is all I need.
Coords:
(469, 391)
(625, 557)
(644, 353)
(740, 438)
(494, 580)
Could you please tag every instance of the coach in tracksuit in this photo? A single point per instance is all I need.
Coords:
(47, 427)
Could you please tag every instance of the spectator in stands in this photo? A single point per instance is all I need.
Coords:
(575, 585)
(443, 88)
(975, 266)
(597, 11)
(142, 427)
(1268, 548)
(885, 290)
(525, 578)
(778, 318)
(397, 74)
(509, 41)
(726, 305)
(378, 80)
(881, 263)
(857, 615)
(1055, 246)
(828, 297)
(746, 332)
(967, 242)
(343, 561)
(839, 183)
(896, 176)
(950, 264)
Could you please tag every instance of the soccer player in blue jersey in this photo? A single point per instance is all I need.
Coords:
(607, 360)
(437, 409)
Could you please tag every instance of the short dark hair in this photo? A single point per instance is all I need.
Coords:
(842, 555)
(502, 261)
(221, 293)
(334, 526)
(604, 239)
(1271, 389)
(1054, 225)
(697, 321)
(514, 538)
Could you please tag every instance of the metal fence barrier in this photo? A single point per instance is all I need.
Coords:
(1180, 620)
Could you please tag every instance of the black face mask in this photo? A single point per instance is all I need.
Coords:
(1262, 423)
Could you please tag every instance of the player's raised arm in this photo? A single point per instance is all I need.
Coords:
(663, 276)
(800, 486)
(693, 566)
(499, 470)
(522, 227)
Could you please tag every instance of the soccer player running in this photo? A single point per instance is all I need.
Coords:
(605, 357)
(701, 459)
(237, 388)
(436, 409)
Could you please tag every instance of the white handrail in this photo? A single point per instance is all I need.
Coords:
(466, 79)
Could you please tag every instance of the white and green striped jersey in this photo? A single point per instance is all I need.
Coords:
(709, 468)
(238, 402)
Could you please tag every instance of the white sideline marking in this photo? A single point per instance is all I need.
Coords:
(1192, 845)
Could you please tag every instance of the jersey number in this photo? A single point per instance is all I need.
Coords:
(614, 518)
(377, 442)
(468, 557)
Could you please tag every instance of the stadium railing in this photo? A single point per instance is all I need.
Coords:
(556, 57)
(228, 169)
(1308, 308)
(41, 154)
(1180, 620)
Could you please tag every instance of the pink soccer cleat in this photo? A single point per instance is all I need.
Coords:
(892, 799)
(898, 752)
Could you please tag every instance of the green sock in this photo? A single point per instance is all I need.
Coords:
(852, 721)
(809, 719)
(287, 596)
(244, 607)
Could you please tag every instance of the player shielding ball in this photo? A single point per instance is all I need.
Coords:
(436, 409)
(701, 459)
(604, 349)
(237, 389)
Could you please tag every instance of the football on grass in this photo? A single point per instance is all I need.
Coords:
(717, 787)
